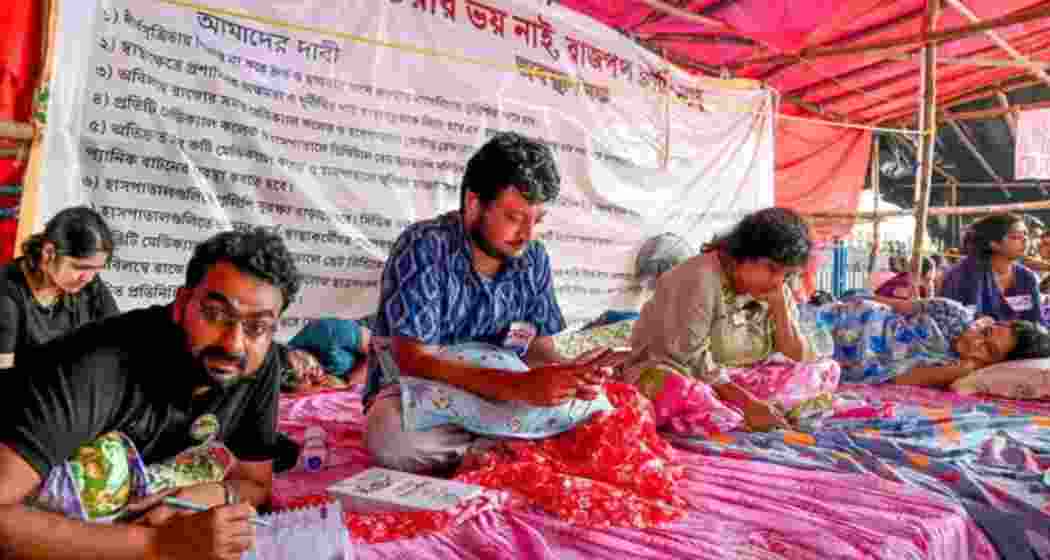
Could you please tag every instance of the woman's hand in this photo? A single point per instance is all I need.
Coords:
(762, 417)
(773, 297)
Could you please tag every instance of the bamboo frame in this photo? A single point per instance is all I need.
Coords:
(876, 190)
(979, 61)
(1006, 86)
(966, 141)
(1010, 118)
(1033, 41)
(16, 130)
(954, 221)
(947, 82)
(931, 37)
(1010, 84)
(939, 211)
(1000, 42)
(19, 152)
(909, 143)
(713, 38)
(1009, 110)
(928, 123)
(668, 9)
(904, 76)
(880, 27)
(27, 212)
(986, 185)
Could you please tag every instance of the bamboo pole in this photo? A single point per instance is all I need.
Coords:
(928, 121)
(954, 221)
(19, 152)
(909, 143)
(994, 112)
(941, 211)
(711, 22)
(991, 185)
(976, 153)
(16, 130)
(27, 211)
(1036, 69)
(877, 195)
(978, 61)
(901, 20)
(932, 37)
(1010, 118)
(1034, 43)
(897, 117)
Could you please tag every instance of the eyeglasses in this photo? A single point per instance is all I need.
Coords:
(253, 328)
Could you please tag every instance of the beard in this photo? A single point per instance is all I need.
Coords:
(482, 242)
(224, 378)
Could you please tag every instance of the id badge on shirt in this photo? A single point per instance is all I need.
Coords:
(1019, 303)
(519, 337)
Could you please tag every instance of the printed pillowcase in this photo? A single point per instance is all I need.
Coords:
(573, 343)
(426, 404)
(1016, 379)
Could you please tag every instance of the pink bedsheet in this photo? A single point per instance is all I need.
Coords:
(738, 509)
(938, 398)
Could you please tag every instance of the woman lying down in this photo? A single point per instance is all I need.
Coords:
(931, 342)
(721, 345)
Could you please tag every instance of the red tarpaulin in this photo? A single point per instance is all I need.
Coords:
(20, 41)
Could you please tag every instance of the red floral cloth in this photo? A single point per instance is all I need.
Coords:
(612, 471)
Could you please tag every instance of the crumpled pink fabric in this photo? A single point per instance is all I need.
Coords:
(686, 406)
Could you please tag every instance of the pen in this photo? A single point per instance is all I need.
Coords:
(190, 506)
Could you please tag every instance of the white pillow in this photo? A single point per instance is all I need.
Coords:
(1016, 379)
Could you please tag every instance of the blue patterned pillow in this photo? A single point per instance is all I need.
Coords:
(427, 403)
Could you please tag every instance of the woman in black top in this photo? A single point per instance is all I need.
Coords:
(54, 287)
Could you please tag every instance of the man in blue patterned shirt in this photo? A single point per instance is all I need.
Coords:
(473, 275)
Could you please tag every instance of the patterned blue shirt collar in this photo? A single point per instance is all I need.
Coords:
(431, 292)
(510, 264)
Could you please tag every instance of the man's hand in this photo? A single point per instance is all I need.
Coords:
(208, 495)
(579, 379)
(221, 533)
(762, 417)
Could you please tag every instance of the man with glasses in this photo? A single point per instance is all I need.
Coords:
(473, 275)
(98, 406)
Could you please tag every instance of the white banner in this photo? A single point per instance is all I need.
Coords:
(339, 122)
(1032, 148)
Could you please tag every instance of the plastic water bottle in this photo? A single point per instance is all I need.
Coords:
(314, 455)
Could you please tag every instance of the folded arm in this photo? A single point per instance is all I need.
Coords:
(26, 533)
(542, 351)
(934, 376)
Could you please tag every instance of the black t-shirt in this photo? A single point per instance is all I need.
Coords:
(131, 373)
(25, 324)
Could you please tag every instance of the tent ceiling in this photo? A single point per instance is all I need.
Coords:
(858, 61)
